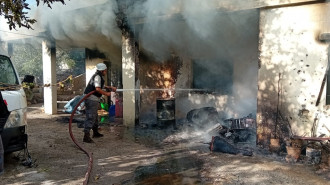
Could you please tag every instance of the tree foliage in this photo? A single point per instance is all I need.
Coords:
(15, 11)
(28, 61)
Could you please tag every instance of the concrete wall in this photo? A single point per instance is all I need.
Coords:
(49, 76)
(184, 84)
(129, 76)
(292, 66)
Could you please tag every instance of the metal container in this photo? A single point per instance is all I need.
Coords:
(313, 155)
(165, 111)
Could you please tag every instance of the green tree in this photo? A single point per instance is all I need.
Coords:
(16, 12)
(70, 61)
(27, 59)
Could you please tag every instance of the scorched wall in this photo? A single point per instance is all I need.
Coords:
(293, 62)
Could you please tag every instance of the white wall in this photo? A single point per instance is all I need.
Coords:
(292, 56)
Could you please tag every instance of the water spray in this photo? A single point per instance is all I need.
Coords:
(160, 89)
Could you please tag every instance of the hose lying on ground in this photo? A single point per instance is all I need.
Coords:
(89, 154)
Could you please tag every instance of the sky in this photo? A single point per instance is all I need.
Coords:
(31, 2)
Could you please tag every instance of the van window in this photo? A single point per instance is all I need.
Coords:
(8, 75)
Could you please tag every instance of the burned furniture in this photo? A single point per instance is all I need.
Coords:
(240, 130)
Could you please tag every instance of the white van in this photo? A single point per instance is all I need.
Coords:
(14, 135)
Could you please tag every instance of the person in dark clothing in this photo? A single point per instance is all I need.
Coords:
(96, 83)
(4, 113)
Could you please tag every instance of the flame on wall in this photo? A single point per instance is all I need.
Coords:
(168, 84)
(164, 76)
(164, 80)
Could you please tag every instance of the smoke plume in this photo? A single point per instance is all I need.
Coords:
(189, 28)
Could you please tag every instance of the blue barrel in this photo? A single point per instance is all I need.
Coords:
(112, 113)
(112, 110)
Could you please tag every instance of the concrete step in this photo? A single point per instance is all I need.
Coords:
(61, 104)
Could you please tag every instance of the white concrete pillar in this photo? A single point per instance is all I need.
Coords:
(129, 82)
(10, 49)
(49, 77)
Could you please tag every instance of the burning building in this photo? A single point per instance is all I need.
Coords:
(267, 58)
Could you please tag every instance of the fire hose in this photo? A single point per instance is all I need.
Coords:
(89, 154)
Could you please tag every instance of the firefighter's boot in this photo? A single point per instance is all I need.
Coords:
(87, 138)
(96, 133)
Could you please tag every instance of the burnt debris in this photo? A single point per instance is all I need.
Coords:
(219, 144)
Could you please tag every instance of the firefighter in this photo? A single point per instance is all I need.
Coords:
(96, 83)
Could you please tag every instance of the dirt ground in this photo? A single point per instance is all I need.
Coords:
(150, 156)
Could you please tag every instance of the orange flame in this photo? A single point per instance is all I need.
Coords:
(168, 84)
